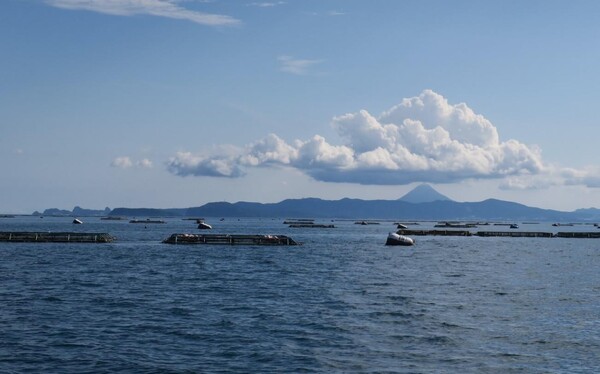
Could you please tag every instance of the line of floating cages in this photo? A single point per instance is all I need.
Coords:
(312, 226)
(434, 232)
(306, 223)
(268, 240)
(512, 234)
(147, 220)
(56, 237)
(233, 239)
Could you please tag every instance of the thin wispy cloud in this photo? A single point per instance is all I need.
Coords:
(161, 8)
(331, 13)
(266, 4)
(289, 64)
(422, 139)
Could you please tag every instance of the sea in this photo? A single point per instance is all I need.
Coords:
(341, 302)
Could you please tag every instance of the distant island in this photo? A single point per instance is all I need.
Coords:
(77, 211)
(422, 203)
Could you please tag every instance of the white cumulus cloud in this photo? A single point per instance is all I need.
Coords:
(422, 139)
(161, 8)
(589, 176)
(433, 111)
(144, 163)
(122, 162)
(185, 163)
(270, 150)
(125, 162)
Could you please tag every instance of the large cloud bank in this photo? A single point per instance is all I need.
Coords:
(422, 139)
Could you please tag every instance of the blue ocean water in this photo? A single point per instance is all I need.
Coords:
(341, 302)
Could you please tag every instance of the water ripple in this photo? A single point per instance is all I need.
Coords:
(342, 302)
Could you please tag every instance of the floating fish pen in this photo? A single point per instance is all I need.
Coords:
(587, 235)
(435, 232)
(506, 234)
(311, 225)
(299, 221)
(221, 239)
(366, 223)
(146, 221)
(456, 225)
(55, 237)
(515, 234)
(112, 218)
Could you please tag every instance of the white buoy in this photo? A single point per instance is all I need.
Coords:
(396, 239)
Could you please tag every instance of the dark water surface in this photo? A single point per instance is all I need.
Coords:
(341, 302)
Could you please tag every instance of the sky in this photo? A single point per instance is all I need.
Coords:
(177, 103)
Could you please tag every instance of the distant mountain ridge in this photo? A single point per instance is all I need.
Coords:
(491, 210)
(422, 203)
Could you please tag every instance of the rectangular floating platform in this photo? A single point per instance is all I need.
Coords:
(435, 232)
(234, 239)
(515, 234)
(299, 221)
(56, 237)
(456, 226)
(506, 234)
(316, 226)
(146, 221)
(587, 235)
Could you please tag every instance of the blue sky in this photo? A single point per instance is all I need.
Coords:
(168, 103)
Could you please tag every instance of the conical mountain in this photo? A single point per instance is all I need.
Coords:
(423, 193)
